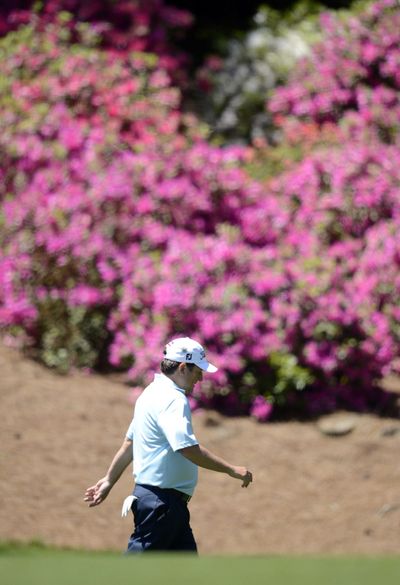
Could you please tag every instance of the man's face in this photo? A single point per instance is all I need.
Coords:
(192, 376)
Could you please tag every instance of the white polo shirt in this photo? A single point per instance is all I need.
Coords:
(161, 425)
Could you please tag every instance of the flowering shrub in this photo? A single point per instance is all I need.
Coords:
(346, 273)
(73, 125)
(352, 75)
(132, 25)
(340, 117)
(115, 209)
(121, 227)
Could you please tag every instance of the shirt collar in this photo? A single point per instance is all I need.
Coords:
(163, 379)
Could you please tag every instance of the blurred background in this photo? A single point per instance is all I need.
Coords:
(231, 173)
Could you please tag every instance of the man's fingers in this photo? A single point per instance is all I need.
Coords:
(90, 494)
(94, 501)
(248, 478)
(90, 491)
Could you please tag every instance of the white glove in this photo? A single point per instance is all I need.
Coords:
(127, 505)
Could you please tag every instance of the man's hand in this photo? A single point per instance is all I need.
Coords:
(97, 493)
(242, 473)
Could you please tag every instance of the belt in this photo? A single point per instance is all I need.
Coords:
(181, 495)
(185, 497)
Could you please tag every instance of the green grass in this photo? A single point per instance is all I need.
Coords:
(38, 565)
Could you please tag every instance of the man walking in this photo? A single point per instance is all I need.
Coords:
(166, 454)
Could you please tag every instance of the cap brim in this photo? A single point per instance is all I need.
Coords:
(207, 367)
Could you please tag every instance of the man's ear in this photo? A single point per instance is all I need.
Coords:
(182, 367)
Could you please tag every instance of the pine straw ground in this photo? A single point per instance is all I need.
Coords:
(312, 493)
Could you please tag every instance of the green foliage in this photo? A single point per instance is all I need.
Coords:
(71, 336)
(289, 376)
(269, 161)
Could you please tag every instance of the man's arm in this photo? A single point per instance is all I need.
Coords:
(204, 458)
(98, 492)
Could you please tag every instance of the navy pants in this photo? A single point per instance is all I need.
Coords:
(162, 522)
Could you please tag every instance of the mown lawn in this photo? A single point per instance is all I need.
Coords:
(36, 565)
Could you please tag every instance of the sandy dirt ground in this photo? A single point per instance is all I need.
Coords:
(312, 493)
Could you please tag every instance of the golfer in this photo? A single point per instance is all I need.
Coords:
(166, 455)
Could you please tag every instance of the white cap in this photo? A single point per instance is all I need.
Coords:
(185, 349)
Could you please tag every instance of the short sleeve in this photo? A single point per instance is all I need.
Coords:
(129, 432)
(176, 424)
